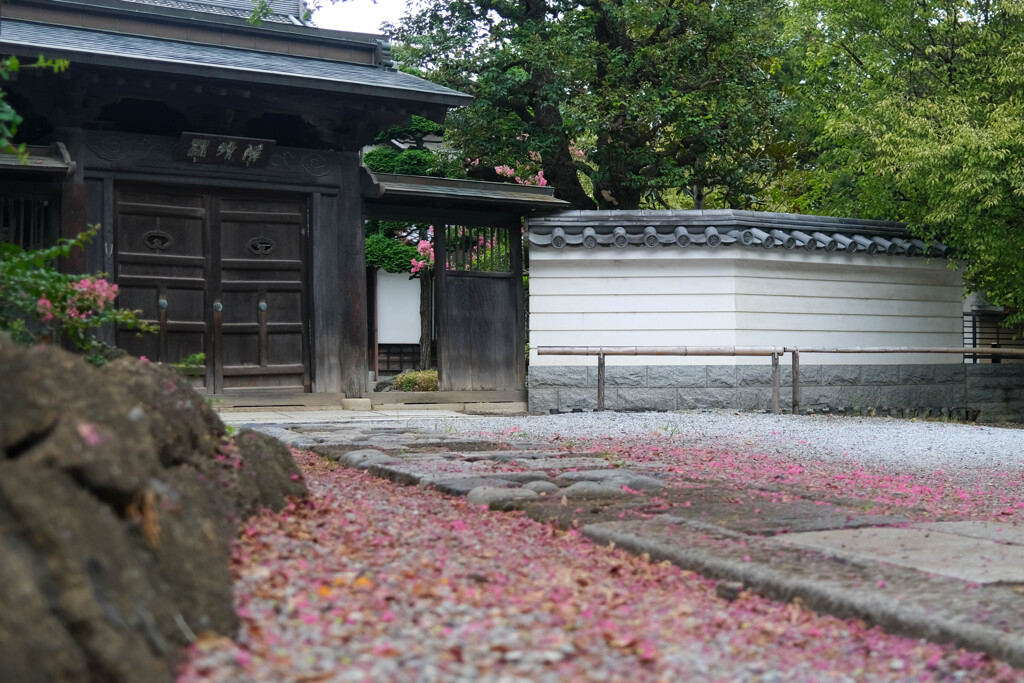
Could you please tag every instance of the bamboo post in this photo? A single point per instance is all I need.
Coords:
(600, 382)
(775, 384)
(796, 381)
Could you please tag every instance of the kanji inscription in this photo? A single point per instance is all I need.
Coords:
(224, 151)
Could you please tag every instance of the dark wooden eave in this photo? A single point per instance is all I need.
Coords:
(389, 195)
(52, 160)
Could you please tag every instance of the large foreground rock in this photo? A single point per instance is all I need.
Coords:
(120, 494)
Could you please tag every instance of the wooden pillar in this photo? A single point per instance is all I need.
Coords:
(325, 294)
(350, 260)
(73, 201)
(796, 382)
(775, 383)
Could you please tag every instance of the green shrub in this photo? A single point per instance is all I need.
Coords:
(417, 380)
(40, 304)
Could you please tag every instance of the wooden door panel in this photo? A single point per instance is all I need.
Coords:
(262, 287)
(162, 271)
(481, 347)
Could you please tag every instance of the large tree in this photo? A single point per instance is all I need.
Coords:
(919, 113)
(616, 102)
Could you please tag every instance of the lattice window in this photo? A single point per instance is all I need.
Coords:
(24, 222)
(985, 329)
(478, 250)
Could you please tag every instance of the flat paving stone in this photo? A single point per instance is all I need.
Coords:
(993, 531)
(507, 456)
(565, 463)
(925, 605)
(961, 557)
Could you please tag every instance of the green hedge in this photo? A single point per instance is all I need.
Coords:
(388, 254)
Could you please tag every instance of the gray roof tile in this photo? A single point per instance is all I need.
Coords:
(239, 10)
(156, 54)
(718, 228)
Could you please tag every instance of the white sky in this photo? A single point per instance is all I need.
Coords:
(360, 16)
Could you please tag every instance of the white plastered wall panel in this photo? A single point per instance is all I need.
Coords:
(398, 308)
(740, 297)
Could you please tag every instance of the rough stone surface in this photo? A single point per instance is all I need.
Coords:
(624, 375)
(572, 398)
(558, 376)
(989, 392)
(490, 495)
(642, 399)
(670, 376)
(722, 376)
(120, 493)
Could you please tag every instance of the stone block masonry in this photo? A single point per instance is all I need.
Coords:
(986, 392)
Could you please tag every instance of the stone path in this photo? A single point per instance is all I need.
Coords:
(944, 581)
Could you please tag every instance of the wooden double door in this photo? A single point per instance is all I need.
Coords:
(221, 274)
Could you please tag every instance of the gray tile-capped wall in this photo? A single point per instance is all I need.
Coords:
(993, 392)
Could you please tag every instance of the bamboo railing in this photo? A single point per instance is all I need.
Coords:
(776, 352)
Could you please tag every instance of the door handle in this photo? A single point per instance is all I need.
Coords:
(218, 306)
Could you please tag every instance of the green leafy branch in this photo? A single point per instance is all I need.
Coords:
(10, 119)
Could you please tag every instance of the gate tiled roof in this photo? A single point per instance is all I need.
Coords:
(726, 228)
(159, 54)
(239, 10)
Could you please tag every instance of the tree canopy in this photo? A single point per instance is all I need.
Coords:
(617, 102)
(918, 112)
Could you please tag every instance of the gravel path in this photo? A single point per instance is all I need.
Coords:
(371, 581)
(898, 445)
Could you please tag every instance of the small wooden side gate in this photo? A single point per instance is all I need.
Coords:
(481, 318)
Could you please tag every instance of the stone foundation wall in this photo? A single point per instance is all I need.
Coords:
(987, 392)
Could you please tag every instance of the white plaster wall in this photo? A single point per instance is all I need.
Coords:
(740, 297)
(398, 309)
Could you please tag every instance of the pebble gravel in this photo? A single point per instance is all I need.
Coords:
(890, 443)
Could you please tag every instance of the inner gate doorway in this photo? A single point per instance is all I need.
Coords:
(218, 273)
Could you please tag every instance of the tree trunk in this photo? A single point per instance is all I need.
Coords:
(697, 191)
(426, 317)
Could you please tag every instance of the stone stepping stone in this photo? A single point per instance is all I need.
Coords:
(596, 475)
(365, 459)
(463, 485)
(542, 487)
(613, 477)
(489, 495)
(591, 489)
